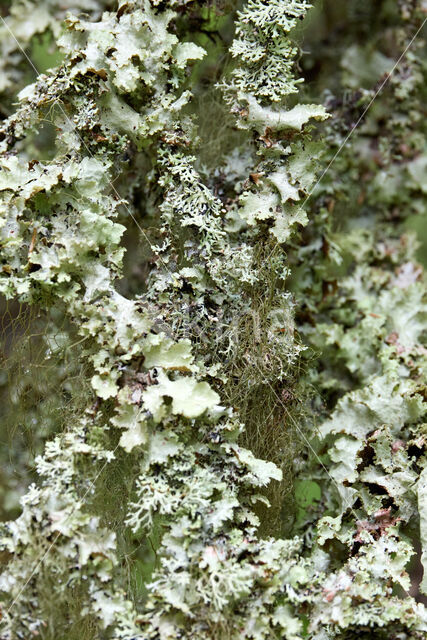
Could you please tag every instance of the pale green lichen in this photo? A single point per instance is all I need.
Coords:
(195, 376)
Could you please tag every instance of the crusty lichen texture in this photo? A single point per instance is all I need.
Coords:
(268, 333)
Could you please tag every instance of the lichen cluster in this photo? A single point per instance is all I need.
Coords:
(271, 332)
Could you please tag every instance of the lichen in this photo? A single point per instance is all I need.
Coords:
(206, 398)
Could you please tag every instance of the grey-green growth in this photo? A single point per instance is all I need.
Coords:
(267, 336)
